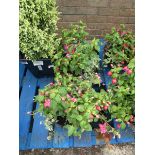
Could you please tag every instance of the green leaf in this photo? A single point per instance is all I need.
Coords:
(63, 90)
(123, 125)
(82, 124)
(79, 117)
(65, 70)
(81, 108)
(57, 98)
(88, 127)
(114, 108)
(54, 105)
(95, 119)
(39, 98)
(71, 130)
(127, 118)
(52, 95)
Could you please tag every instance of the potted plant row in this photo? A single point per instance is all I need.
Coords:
(119, 60)
(72, 102)
(37, 35)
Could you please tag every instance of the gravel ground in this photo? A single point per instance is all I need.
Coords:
(120, 149)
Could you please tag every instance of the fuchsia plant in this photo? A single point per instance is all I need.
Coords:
(120, 55)
(72, 97)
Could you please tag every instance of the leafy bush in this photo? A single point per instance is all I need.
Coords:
(76, 55)
(74, 99)
(120, 47)
(37, 26)
(71, 97)
(75, 34)
(122, 72)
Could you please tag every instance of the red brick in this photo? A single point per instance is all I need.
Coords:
(96, 19)
(127, 12)
(133, 4)
(73, 18)
(79, 10)
(121, 3)
(131, 20)
(59, 2)
(100, 26)
(64, 24)
(108, 11)
(97, 3)
(94, 32)
(130, 27)
(120, 20)
(74, 2)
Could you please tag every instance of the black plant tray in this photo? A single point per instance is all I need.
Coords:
(40, 68)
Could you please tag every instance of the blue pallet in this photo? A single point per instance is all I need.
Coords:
(36, 137)
(127, 134)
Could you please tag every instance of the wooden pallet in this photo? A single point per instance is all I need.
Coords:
(33, 135)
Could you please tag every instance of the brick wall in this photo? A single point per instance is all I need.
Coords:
(99, 15)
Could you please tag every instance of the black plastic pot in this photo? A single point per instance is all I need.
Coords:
(39, 68)
(62, 120)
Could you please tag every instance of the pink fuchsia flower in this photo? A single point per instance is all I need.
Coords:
(125, 68)
(91, 116)
(125, 45)
(98, 108)
(65, 47)
(122, 62)
(109, 73)
(103, 128)
(68, 96)
(118, 126)
(123, 33)
(73, 99)
(73, 51)
(114, 81)
(105, 107)
(51, 84)
(68, 56)
(47, 103)
(131, 118)
(129, 72)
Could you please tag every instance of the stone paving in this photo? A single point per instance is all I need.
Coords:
(119, 149)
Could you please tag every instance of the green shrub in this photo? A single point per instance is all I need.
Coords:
(120, 54)
(120, 48)
(37, 26)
